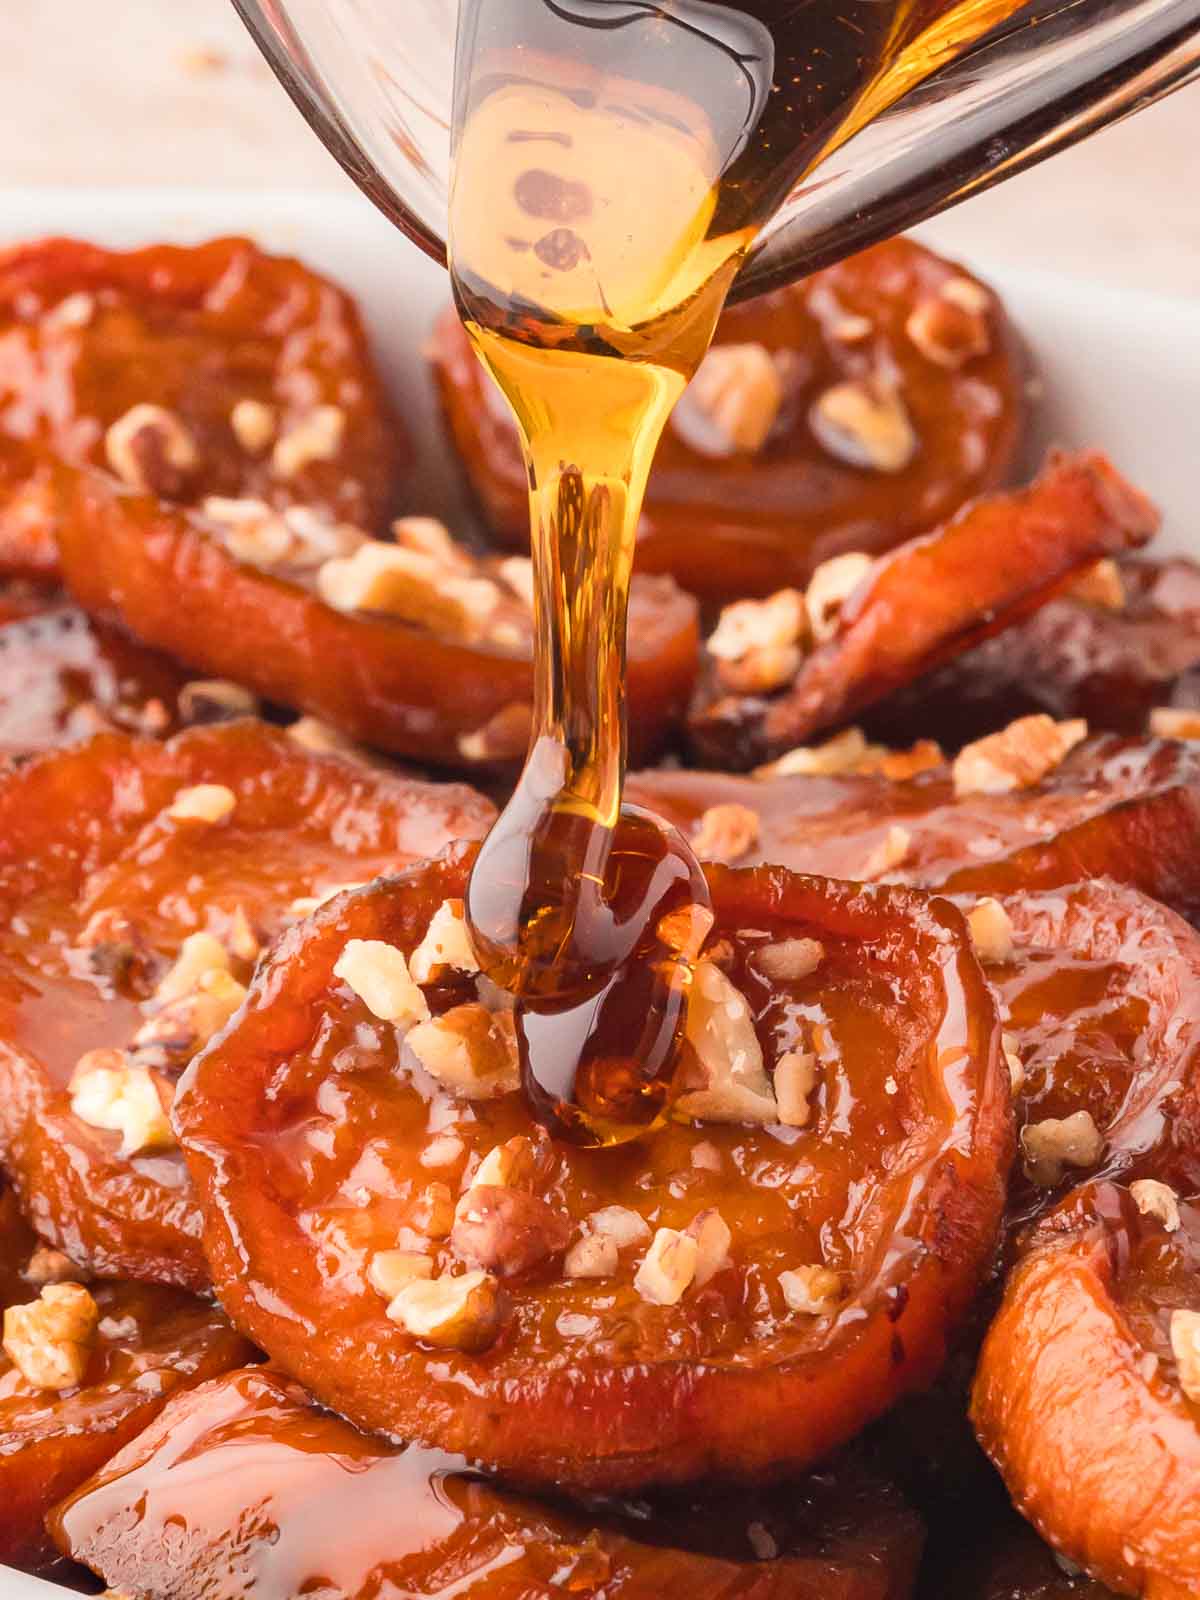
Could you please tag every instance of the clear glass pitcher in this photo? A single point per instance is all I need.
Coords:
(374, 79)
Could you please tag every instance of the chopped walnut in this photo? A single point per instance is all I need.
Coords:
(844, 753)
(762, 671)
(52, 1266)
(713, 1239)
(508, 1165)
(209, 700)
(203, 802)
(184, 1026)
(74, 311)
(965, 292)
(865, 424)
(726, 833)
(429, 537)
(508, 1231)
(199, 954)
(391, 1270)
(668, 1267)
(789, 960)
(731, 404)
(887, 854)
(463, 1313)
(795, 1080)
(1016, 1067)
(470, 1050)
(432, 1212)
(748, 627)
(850, 328)
(1185, 1343)
(830, 586)
(946, 331)
(991, 930)
(1016, 757)
(310, 733)
(517, 573)
(1155, 1199)
(108, 1091)
(443, 1150)
(379, 976)
(447, 943)
(150, 449)
(1168, 723)
(250, 530)
(410, 586)
(1056, 1143)
(316, 437)
(723, 1080)
(1099, 585)
(254, 425)
(685, 930)
(620, 1224)
(49, 1341)
(504, 737)
(241, 936)
(305, 904)
(813, 1291)
(592, 1256)
(706, 1157)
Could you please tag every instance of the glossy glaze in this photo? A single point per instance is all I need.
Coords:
(87, 333)
(81, 832)
(1078, 1368)
(305, 1132)
(751, 524)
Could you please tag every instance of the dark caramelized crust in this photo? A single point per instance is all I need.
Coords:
(399, 686)
(86, 334)
(150, 1343)
(1080, 1397)
(313, 1138)
(740, 523)
(100, 887)
(995, 562)
(344, 1513)
(1126, 809)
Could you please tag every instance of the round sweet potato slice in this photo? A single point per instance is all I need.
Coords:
(1125, 809)
(431, 681)
(102, 884)
(1087, 1396)
(260, 366)
(838, 1149)
(146, 1344)
(876, 629)
(346, 1515)
(743, 504)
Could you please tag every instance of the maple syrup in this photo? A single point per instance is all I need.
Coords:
(613, 162)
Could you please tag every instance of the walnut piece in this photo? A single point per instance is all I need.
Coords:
(947, 332)
(1016, 757)
(316, 437)
(1056, 1143)
(108, 1091)
(731, 404)
(795, 1080)
(887, 854)
(621, 1224)
(305, 904)
(254, 425)
(1166, 722)
(203, 802)
(150, 449)
(1016, 1067)
(470, 1051)
(463, 1313)
(510, 1165)
(517, 573)
(749, 626)
(1185, 1343)
(789, 960)
(310, 733)
(49, 1341)
(391, 1270)
(812, 1291)
(378, 974)
(1099, 585)
(991, 930)
(668, 1267)
(865, 424)
(432, 1213)
(592, 1256)
(844, 753)
(726, 833)
(199, 954)
(210, 700)
(1155, 1199)
(508, 1231)
(713, 1239)
(410, 586)
(52, 1266)
(830, 586)
(184, 1026)
(447, 943)
(723, 1078)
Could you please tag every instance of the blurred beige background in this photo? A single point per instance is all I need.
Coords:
(97, 92)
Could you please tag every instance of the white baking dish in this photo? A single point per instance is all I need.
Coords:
(1120, 370)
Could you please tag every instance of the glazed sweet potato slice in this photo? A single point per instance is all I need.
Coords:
(64, 677)
(1114, 655)
(84, 1369)
(1125, 809)
(867, 628)
(567, 1325)
(432, 647)
(1087, 1396)
(209, 370)
(847, 412)
(127, 864)
(346, 1515)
